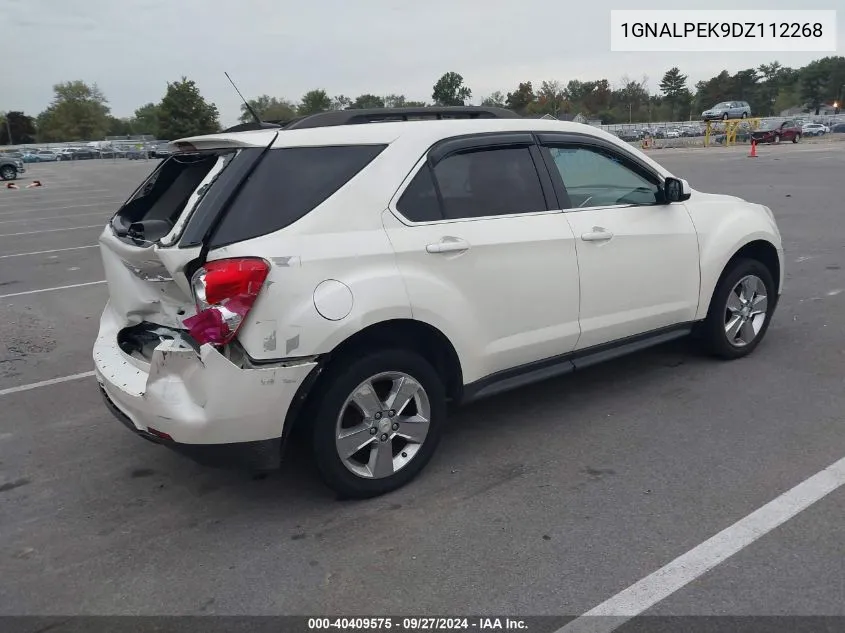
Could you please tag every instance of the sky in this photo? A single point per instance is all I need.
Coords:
(132, 48)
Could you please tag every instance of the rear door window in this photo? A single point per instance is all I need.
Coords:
(286, 185)
(489, 182)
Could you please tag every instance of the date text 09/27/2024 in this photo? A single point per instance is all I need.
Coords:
(417, 623)
(775, 30)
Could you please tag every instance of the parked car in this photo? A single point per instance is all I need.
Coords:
(727, 110)
(838, 128)
(30, 157)
(673, 132)
(85, 153)
(161, 150)
(133, 153)
(267, 304)
(66, 153)
(814, 129)
(46, 156)
(630, 135)
(10, 167)
(776, 132)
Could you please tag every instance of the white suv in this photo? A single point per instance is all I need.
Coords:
(354, 279)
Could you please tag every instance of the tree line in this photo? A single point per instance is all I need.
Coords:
(81, 112)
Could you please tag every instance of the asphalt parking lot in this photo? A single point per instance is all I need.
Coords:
(546, 501)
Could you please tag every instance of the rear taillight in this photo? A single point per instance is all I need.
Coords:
(224, 291)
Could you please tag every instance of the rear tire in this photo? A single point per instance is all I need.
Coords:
(740, 310)
(392, 443)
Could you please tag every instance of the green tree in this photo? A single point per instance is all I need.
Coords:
(367, 101)
(550, 99)
(674, 87)
(629, 100)
(268, 109)
(145, 120)
(184, 112)
(120, 127)
(522, 98)
(450, 90)
(78, 112)
(814, 85)
(315, 101)
(341, 102)
(496, 99)
(21, 127)
(415, 104)
(395, 101)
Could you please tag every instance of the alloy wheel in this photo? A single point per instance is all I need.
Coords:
(382, 425)
(746, 310)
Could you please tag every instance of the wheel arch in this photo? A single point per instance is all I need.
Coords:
(759, 249)
(418, 336)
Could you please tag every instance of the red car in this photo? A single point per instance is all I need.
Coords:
(777, 132)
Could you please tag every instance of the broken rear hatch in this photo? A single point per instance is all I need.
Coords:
(155, 241)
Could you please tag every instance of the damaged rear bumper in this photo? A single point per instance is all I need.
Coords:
(200, 404)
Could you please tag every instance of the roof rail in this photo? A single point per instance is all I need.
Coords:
(384, 115)
(252, 125)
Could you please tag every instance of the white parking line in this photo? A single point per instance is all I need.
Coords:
(33, 292)
(102, 203)
(55, 217)
(644, 594)
(45, 383)
(54, 250)
(73, 228)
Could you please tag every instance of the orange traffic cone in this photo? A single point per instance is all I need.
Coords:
(34, 183)
(12, 185)
(753, 153)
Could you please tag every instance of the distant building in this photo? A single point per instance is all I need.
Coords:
(559, 117)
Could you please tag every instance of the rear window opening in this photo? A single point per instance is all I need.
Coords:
(153, 210)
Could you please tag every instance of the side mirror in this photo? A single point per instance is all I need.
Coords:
(676, 190)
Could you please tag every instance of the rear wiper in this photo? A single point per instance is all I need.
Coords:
(148, 231)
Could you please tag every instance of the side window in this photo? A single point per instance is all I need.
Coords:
(596, 178)
(419, 200)
(489, 182)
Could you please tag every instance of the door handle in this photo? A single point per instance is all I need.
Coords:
(448, 245)
(598, 234)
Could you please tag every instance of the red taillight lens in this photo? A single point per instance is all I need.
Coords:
(225, 291)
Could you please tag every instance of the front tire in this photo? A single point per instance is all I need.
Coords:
(796, 138)
(725, 116)
(8, 173)
(378, 422)
(740, 310)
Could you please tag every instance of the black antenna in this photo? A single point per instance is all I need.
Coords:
(246, 103)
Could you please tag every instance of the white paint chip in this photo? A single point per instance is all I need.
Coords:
(644, 594)
(833, 293)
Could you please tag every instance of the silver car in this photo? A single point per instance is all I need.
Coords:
(728, 110)
(46, 156)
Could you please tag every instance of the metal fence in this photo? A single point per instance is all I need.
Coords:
(689, 133)
(662, 133)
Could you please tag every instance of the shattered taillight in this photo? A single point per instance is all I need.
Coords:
(224, 291)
